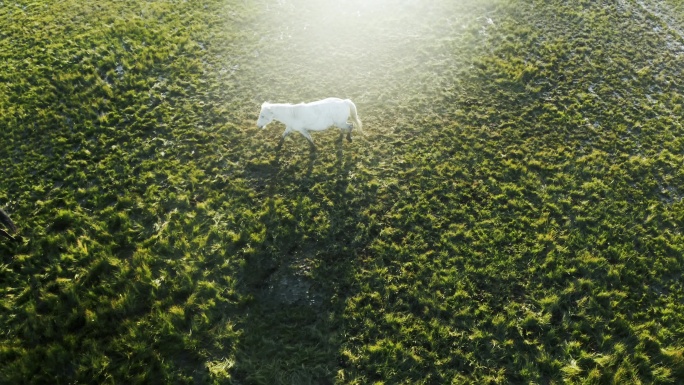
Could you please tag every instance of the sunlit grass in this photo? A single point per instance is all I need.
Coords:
(512, 213)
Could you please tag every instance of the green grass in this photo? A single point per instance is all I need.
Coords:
(512, 213)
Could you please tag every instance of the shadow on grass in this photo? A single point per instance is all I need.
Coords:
(265, 176)
(299, 276)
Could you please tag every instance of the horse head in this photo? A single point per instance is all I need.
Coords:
(265, 116)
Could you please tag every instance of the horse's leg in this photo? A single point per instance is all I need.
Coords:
(345, 127)
(348, 128)
(306, 134)
(282, 138)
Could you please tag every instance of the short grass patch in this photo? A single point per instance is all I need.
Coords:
(511, 214)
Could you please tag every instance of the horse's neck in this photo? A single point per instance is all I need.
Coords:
(284, 112)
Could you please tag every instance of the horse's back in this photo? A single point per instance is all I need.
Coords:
(329, 106)
(327, 101)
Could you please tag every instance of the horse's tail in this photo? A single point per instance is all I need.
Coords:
(354, 115)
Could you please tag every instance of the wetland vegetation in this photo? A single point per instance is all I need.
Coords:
(512, 214)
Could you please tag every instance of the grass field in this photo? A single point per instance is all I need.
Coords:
(512, 212)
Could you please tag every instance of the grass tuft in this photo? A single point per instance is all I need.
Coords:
(512, 212)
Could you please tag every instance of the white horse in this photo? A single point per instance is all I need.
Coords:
(315, 116)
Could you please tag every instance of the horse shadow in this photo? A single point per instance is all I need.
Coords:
(300, 278)
(314, 155)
